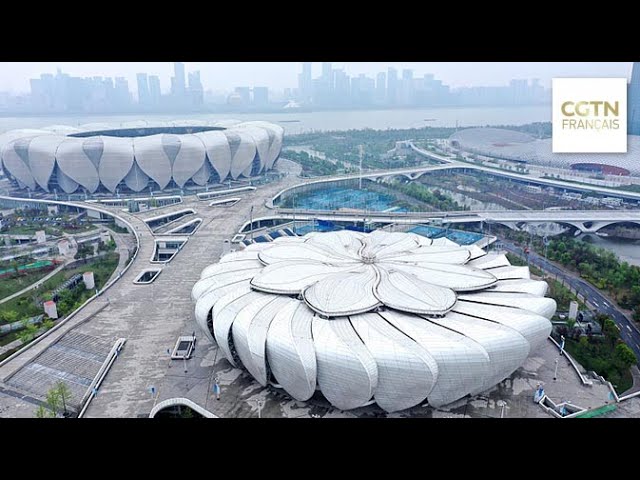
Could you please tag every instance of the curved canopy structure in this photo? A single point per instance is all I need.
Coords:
(522, 147)
(138, 155)
(395, 318)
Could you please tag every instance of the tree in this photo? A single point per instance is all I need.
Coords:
(43, 412)
(29, 331)
(63, 393)
(10, 316)
(611, 331)
(53, 402)
(624, 355)
(600, 318)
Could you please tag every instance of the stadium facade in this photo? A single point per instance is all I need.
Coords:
(522, 147)
(391, 318)
(138, 155)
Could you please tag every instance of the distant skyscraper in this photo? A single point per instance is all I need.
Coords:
(341, 88)
(245, 95)
(121, 92)
(392, 86)
(260, 96)
(154, 89)
(634, 101)
(305, 83)
(177, 81)
(195, 88)
(406, 90)
(326, 70)
(381, 87)
(143, 90)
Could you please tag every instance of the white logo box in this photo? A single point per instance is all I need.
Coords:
(589, 133)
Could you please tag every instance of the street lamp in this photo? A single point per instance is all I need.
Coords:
(260, 405)
(184, 358)
(501, 404)
(251, 220)
(555, 373)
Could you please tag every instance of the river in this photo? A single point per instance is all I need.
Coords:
(627, 250)
(322, 120)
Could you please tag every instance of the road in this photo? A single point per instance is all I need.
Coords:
(628, 331)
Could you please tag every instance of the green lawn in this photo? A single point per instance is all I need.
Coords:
(11, 285)
(8, 338)
(25, 305)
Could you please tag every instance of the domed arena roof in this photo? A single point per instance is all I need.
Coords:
(394, 318)
(522, 147)
(138, 154)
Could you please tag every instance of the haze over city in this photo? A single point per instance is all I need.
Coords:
(280, 75)
(112, 88)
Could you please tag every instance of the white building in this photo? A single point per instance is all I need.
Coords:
(139, 155)
(395, 318)
(50, 309)
(63, 247)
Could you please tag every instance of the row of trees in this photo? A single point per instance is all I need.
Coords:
(609, 356)
(602, 268)
(314, 166)
(437, 199)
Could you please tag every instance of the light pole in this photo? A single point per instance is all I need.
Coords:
(361, 148)
(184, 358)
(251, 220)
(294, 213)
(260, 405)
(501, 404)
(555, 373)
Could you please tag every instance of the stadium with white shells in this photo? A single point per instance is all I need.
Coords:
(391, 318)
(138, 155)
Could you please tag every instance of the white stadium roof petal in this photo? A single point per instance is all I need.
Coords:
(387, 317)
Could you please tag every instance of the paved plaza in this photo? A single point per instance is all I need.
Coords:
(151, 318)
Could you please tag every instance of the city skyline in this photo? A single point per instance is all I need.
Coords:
(278, 76)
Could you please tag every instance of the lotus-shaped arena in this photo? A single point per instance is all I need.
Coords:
(138, 155)
(393, 318)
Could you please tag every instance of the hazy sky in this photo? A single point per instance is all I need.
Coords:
(14, 76)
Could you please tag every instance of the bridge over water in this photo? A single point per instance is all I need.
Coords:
(586, 221)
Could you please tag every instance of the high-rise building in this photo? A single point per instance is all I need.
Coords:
(406, 87)
(305, 83)
(154, 90)
(362, 90)
(196, 91)
(633, 113)
(381, 86)
(392, 86)
(177, 81)
(122, 96)
(261, 96)
(326, 71)
(341, 88)
(143, 89)
(245, 95)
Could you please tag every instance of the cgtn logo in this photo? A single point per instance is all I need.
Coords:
(589, 115)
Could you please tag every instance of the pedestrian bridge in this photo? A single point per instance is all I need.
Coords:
(447, 164)
(586, 221)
